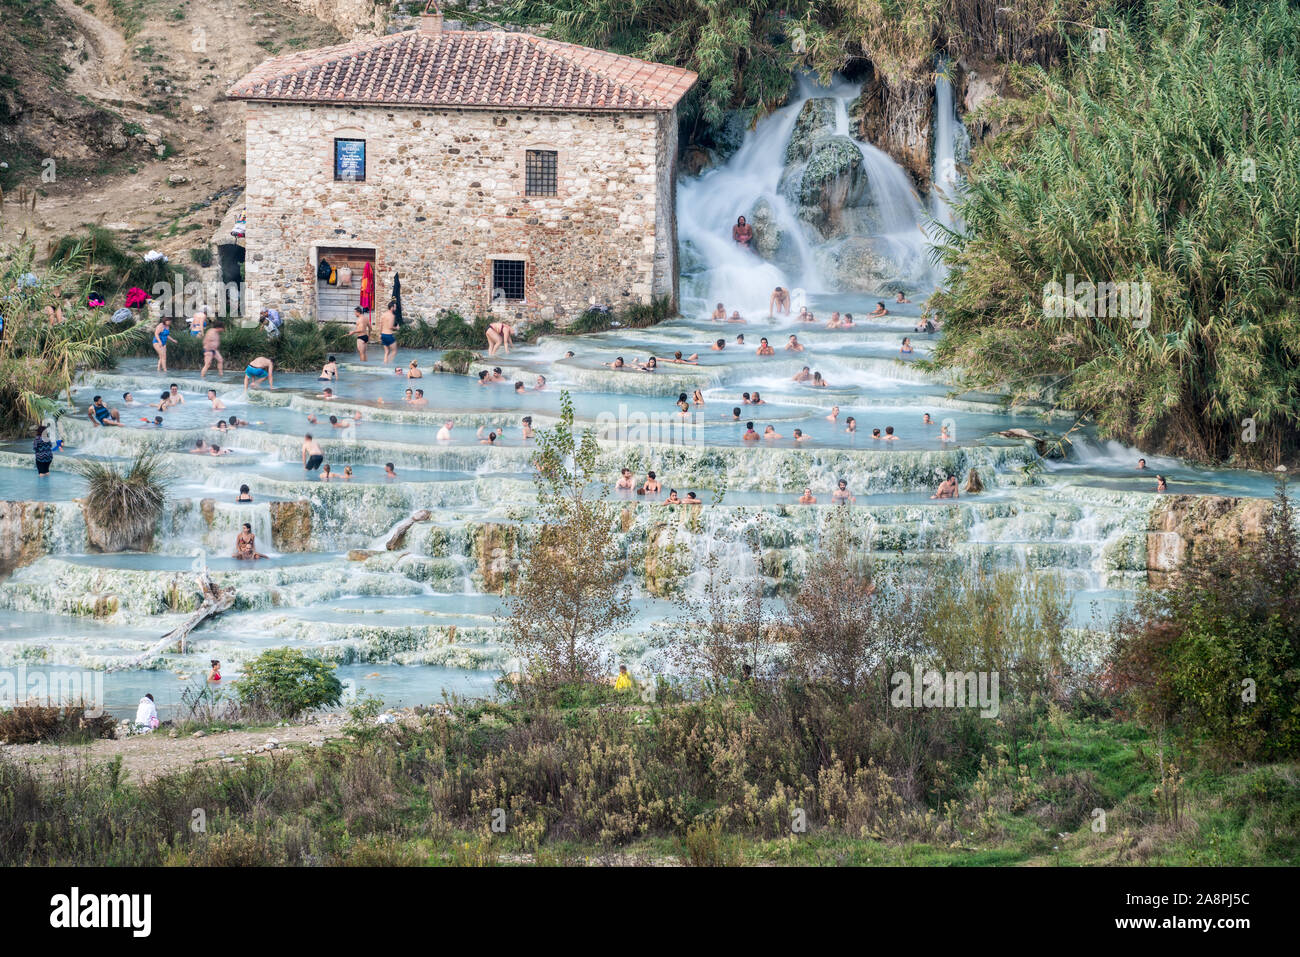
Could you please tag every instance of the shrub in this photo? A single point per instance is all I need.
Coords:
(122, 507)
(457, 361)
(202, 256)
(1217, 653)
(288, 682)
(30, 723)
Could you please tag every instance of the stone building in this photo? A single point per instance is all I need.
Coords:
(496, 172)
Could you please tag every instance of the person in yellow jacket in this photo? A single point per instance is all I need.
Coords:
(624, 680)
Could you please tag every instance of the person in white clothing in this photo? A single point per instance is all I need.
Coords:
(146, 714)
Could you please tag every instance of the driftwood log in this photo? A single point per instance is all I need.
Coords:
(396, 539)
(215, 601)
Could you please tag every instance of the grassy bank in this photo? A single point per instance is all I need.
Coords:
(719, 781)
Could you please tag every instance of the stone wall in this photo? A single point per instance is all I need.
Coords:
(1185, 528)
(444, 194)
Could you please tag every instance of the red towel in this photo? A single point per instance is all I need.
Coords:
(368, 287)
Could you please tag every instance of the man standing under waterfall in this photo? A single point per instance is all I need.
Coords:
(742, 232)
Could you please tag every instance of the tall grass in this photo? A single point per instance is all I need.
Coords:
(122, 505)
(1166, 156)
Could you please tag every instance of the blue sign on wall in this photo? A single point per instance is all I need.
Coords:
(350, 161)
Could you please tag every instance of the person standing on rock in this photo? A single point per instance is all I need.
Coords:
(742, 232)
(212, 350)
(779, 302)
(361, 331)
(160, 334)
(312, 456)
(44, 450)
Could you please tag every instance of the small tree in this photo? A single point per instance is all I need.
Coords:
(288, 682)
(573, 591)
(726, 631)
(844, 625)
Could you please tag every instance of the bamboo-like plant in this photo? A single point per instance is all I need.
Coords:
(1164, 156)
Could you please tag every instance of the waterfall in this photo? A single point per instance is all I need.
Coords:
(951, 143)
(715, 269)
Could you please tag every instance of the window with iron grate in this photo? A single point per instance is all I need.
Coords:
(539, 172)
(507, 279)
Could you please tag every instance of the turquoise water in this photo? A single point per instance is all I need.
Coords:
(422, 617)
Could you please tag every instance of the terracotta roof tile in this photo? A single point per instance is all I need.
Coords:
(467, 69)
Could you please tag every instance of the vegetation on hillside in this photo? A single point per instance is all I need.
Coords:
(38, 359)
(745, 52)
(1162, 160)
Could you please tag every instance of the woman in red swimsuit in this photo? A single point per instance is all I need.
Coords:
(499, 335)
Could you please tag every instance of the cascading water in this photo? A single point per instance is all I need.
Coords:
(951, 144)
(761, 177)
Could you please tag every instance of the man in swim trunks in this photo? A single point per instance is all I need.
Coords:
(388, 332)
(312, 456)
(361, 331)
(212, 350)
(101, 414)
(260, 368)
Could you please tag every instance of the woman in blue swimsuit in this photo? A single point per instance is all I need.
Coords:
(160, 334)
